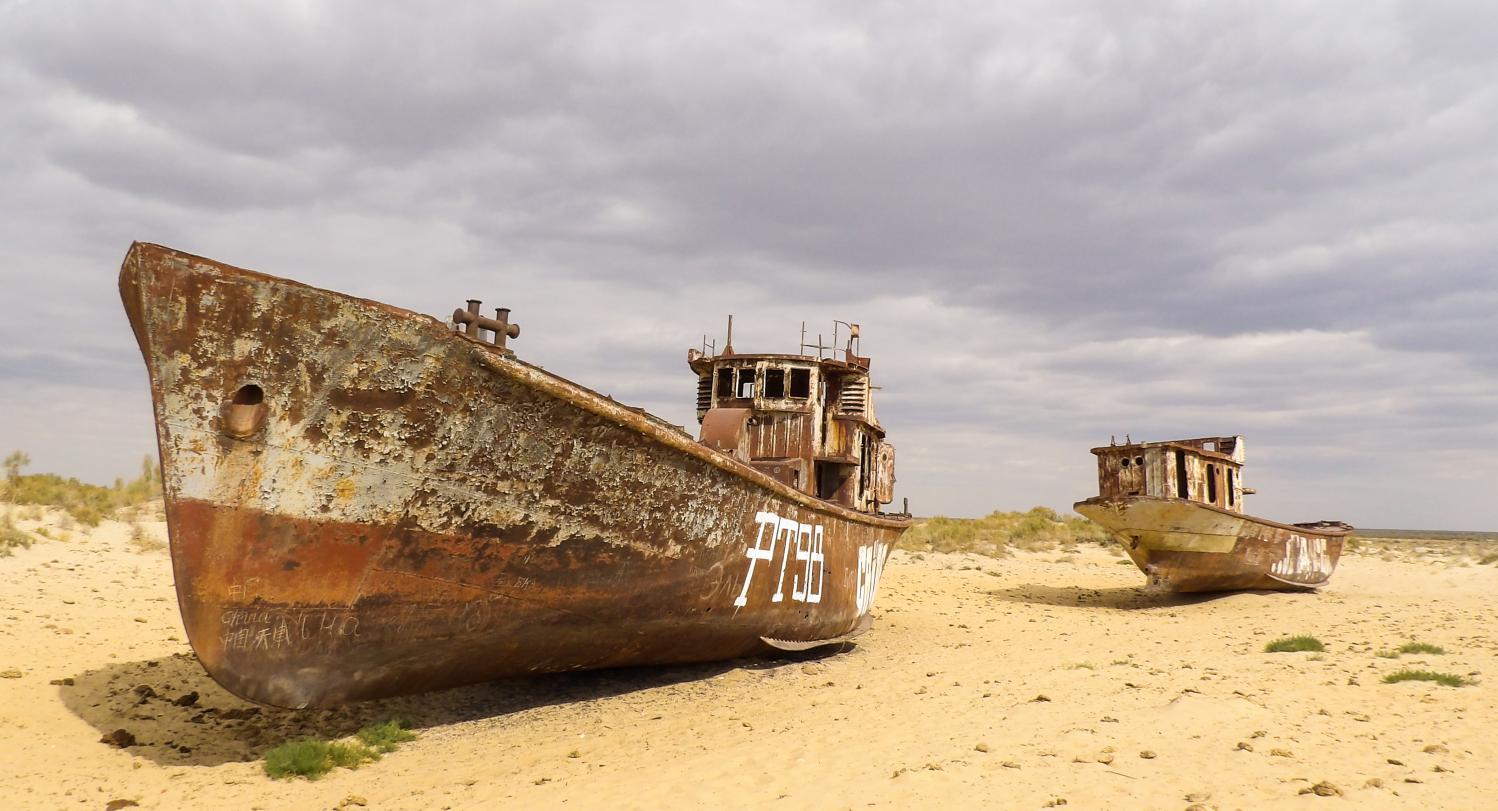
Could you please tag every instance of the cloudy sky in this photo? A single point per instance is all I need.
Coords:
(1056, 222)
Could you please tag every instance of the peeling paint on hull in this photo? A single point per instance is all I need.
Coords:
(1187, 546)
(362, 503)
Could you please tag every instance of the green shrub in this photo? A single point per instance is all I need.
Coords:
(385, 737)
(1294, 644)
(311, 758)
(1447, 679)
(1421, 647)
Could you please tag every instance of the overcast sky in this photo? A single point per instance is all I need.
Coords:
(1056, 222)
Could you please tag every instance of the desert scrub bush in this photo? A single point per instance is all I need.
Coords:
(995, 533)
(1421, 647)
(143, 541)
(86, 503)
(11, 537)
(312, 758)
(1294, 644)
(1447, 679)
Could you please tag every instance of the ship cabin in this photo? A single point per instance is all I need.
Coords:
(1208, 470)
(805, 420)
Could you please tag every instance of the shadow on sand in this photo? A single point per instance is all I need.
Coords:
(1122, 597)
(178, 716)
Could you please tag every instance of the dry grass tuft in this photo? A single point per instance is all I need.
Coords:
(1294, 644)
(1447, 679)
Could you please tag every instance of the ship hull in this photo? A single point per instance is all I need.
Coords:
(362, 503)
(1186, 546)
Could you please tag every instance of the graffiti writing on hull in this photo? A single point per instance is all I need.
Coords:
(870, 567)
(811, 560)
(1305, 561)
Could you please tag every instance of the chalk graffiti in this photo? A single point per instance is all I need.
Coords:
(1305, 560)
(254, 629)
(870, 568)
(810, 555)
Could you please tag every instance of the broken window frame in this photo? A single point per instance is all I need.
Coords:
(748, 376)
(801, 376)
(774, 384)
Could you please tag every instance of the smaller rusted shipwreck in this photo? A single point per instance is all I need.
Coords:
(1177, 508)
(363, 501)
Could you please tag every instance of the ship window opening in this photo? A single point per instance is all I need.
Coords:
(827, 480)
(1230, 487)
(249, 395)
(800, 383)
(775, 383)
(1182, 485)
(746, 383)
(725, 382)
(1139, 460)
(1209, 446)
(1211, 484)
(1125, 462)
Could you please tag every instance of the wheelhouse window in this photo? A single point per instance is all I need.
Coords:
(746, 382)
(1211, 484)
(725, 382)
(775, 383)
(800, 383)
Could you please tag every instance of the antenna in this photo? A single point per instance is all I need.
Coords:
(728, 344)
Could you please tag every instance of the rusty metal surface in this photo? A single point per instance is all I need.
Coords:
(362, 502)
(806, 420)
(1177, 508)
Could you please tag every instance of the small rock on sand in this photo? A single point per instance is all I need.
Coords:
(11, 674)
(1147, 754)
(116, 805)
(982, 747)
(119, 738)
(1322, 789)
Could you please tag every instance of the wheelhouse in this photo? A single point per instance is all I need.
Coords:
(1208, 470)
(805, 420)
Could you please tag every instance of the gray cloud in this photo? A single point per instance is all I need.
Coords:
(1055, 223)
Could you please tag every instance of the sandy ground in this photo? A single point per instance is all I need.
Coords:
(1027, 682)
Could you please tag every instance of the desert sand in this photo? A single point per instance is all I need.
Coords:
(1032, 681)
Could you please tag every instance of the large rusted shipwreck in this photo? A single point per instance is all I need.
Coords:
(364, 501)
(1177, 508)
